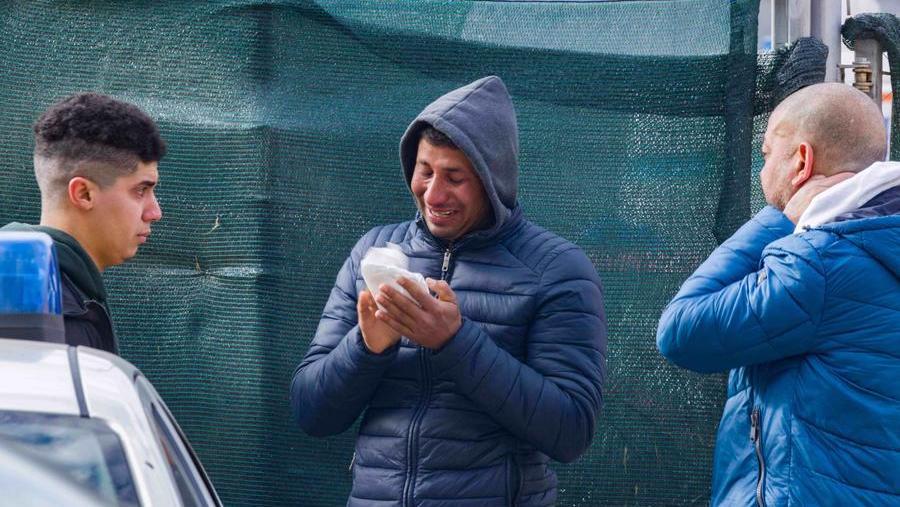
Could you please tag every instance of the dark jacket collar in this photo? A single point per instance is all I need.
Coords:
(493, 234)
(883, 204)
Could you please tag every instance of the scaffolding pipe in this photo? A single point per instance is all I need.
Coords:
(825, 25)
(867, 68)
(780, 23)
(790, 21)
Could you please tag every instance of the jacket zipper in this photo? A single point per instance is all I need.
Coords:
(412, 439)
(445, 267)
(755, 437)
(513, 478)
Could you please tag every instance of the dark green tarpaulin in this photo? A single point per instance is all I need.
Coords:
(637, 124)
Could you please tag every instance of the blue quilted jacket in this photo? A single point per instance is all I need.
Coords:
(810, 326)
(476, 422)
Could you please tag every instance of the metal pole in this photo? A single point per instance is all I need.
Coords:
(790, 21)
(867, 68)
(798, 12)
(780, 23)
(825, 25)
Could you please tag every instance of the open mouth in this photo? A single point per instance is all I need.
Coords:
(440, 213)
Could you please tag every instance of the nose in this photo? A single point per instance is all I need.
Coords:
(153, 213)
(436, 193)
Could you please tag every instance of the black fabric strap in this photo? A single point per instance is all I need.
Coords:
(40, 327)
(76, 382)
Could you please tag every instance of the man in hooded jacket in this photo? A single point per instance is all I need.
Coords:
(803, 305)
(468, 393)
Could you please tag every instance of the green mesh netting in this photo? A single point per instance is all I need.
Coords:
(885, 28)
(637, 124)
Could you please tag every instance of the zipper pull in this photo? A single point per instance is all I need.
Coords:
(352, 462)
(754, 425)
(446, 265)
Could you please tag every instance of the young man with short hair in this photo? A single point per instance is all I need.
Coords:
(95, 161)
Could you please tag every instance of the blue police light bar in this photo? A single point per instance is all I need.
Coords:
(30, 297)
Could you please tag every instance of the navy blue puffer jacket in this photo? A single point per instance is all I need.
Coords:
(810, 325)
(476, 422)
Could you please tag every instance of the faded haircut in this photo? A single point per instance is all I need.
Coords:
(93, 136)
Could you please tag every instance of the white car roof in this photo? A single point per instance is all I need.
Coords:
(38, 377)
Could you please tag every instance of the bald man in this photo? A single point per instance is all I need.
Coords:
(802, 304)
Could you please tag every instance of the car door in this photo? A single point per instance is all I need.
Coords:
(188, 475)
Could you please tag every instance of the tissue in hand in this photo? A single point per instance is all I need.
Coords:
(386, 266)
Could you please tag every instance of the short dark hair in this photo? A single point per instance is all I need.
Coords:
(94, 136)
(437, 138)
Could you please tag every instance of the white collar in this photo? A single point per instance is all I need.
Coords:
(849, 195)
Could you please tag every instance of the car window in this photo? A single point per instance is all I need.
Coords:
(87, 450)
(182, 475)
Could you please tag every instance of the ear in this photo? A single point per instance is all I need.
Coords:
(804, 165)
(82, 193)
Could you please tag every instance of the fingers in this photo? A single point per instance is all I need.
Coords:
(427, 323)
(365, 305)
(839, 177)
(442, 290)
(415, 290)
(398, 306)
(394, 323)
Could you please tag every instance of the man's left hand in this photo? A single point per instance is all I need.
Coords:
(431, 323)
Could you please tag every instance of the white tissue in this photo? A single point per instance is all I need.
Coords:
(385, 266)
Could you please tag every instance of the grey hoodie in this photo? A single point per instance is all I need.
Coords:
(480, 120)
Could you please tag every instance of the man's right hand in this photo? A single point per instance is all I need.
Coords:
(813, 187)
(377, 335)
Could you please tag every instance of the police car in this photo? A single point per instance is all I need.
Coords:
(83, 415)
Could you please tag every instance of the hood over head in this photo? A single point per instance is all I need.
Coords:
(480, 120)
